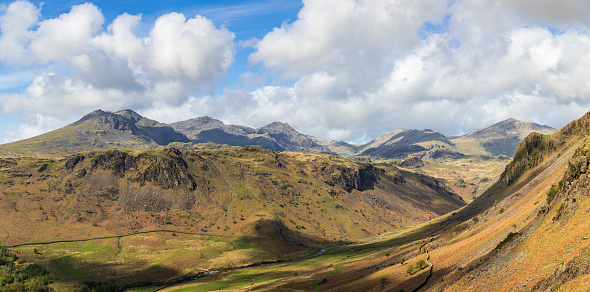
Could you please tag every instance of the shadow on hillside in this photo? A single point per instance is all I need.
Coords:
(290, 240)
(109, 276)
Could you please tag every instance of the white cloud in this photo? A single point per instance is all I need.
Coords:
(59, 39)
(192, 48)
(15, 22)
(358, 67)
(361, 69)
(109, 69)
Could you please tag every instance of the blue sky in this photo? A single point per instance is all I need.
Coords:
(247, 19)
(335, 69)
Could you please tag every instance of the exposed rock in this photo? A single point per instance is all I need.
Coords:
(412, 162)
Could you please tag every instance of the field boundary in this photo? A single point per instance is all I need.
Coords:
(114, 236)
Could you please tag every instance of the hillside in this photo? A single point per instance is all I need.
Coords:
(216, 208)
(275, 136)
(96, 130)
(402, 143)
(501, 138)
(469, 163)
(528, 232)
(535, 236)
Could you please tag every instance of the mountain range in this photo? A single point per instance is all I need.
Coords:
(127, 129)
(527, 232)
(251, 218)
(276, 136)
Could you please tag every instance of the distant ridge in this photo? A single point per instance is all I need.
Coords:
(97, 130)
(501, 138)
(128, 129)
(276, 136)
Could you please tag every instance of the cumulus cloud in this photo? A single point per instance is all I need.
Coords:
(109, 69)
(15, 22)
(358, 67)
(366, 67)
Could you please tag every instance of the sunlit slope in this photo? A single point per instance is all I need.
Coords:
(270, 203)
(528, 232)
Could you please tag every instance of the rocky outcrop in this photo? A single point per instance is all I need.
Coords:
(529, 154)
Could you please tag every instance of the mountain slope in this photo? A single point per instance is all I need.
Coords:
(97, 130)
(275, 136)
(528, 232)
(501, 138)
(401, 143)
(532, 226)
(266, 204)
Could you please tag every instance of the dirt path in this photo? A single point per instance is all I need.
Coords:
(119, 247)
(7, 236)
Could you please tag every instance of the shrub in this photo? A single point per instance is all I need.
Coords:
(475, 219)
(574, 170)
(506, 240)
(501, 211)
(551, 193)
(421, 264)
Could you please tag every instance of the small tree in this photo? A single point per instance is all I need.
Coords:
(421, 264)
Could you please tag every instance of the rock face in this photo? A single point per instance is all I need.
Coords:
(161, 133)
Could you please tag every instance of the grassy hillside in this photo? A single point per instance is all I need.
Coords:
(163, 214)
(528, 232)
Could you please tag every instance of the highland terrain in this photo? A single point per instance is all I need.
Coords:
(109, 207)
(528, 232)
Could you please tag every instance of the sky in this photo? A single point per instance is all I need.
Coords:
(344, 70)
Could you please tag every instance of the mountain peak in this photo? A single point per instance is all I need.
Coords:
(207, 119)
(276, 127)
(129, 114)
(502, 137)
(92, 114)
